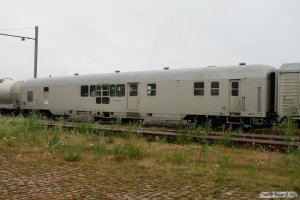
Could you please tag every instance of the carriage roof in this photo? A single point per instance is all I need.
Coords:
(206, 73)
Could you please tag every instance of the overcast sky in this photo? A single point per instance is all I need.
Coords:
(101, 36)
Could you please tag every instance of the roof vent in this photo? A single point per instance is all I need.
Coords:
(117, 71)
(166, 68)
(76, 74)
(242, 63)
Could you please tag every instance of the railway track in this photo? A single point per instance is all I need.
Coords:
(245, 139)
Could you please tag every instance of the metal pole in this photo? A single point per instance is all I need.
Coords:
(36, 40)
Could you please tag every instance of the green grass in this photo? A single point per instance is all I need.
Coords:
(182, 162)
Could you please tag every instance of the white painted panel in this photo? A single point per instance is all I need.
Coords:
(289, 93)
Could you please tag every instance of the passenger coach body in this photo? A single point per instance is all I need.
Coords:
(237, 94)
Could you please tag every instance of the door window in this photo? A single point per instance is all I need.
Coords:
(234, 88)
(133, 89)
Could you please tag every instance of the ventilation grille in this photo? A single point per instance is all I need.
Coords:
(133, 115)
(289, 96)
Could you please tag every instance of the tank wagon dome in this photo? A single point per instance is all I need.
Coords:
(289, 67)
(204, 73)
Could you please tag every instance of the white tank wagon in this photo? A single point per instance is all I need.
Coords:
(233, 94)
(9, 94)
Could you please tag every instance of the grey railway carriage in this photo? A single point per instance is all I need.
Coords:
(233, 94)
(247, 94)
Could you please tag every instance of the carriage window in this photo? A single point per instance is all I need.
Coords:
(84, 90)
(151, 89)
(98, 100)
(259, 99)
(105, 100)
(133, 90)
(46, 89)
(120, 90)
(92, 90)
(30, 96)
(105, 90)
(112, 90)
(46, 92)
(214, 88)
(199, 88)
(98, 90)
(234, 88)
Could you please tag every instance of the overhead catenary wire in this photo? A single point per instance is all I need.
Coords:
(17, 36)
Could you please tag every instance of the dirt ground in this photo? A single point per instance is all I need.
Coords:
(21, 179)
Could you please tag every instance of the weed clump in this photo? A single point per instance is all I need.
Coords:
(74, 153)
(182, 138)
(99, 150)
(204, 153)
(57, 145)
(221, 168)
(83, 127)
(179, 157)
(73, 157)
(127, 151)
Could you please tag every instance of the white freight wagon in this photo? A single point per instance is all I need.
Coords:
(289, 90)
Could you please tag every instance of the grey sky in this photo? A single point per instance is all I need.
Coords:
(129, 35)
